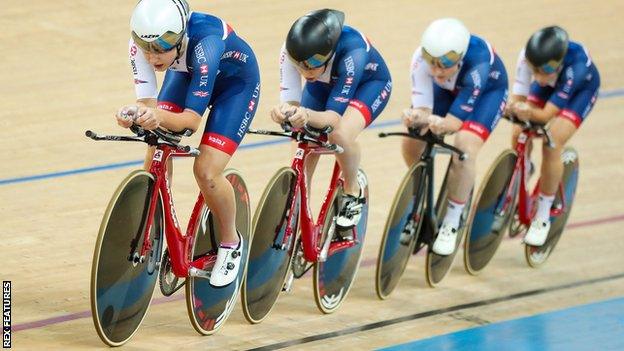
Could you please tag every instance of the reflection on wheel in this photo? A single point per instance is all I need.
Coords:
(489, 220)
(334, 277)
(401, 230)
(270, 256)
(122, 283)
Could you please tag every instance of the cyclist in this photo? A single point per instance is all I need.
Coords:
(207, 65)
(347, 86)
(459, 84)
(556, 83)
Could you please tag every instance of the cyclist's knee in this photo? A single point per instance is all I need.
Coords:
(207, 174)
(470, 144)
(342, 136)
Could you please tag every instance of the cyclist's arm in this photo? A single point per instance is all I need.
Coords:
(543, 115)
(290, 80)
(147, 103)
(522, 83)
(422, 85)
(144, 76)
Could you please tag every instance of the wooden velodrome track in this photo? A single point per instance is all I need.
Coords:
(65, 70)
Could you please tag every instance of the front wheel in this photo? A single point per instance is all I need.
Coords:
(271, 252)
(208, 306)
(494, 208)
(334, 277)
(122, 282)
(537, 255)
(401, 230)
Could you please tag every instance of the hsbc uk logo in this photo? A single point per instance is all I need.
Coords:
(236, 55)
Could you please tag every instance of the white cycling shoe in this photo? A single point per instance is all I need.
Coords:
(537, 233)
(444, 244)
(227, 265)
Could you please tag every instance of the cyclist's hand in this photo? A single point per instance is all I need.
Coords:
(280, 112)
(299, 118)
(147, 118)
(437, 125)
(126, 115)
(509, 109)
(415, 118)
(522, 110)
(408, 117)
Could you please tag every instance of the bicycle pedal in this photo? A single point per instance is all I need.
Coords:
(199, 273)
(343, 238)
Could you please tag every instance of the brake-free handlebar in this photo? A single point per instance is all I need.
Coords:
(428, 138)
(306, 134)
(151, 137)
(541, 129)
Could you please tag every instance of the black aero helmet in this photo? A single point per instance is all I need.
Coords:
(313, 38)
(546, 48)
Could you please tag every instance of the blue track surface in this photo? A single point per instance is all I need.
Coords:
(596, 327)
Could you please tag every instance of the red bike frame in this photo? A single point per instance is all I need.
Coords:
(526, 203)
(179, 245)
(310, 232)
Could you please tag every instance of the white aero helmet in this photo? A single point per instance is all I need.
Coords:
(445, 42)
(159, 25)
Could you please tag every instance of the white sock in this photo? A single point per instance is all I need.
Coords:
(544, 203)
(453, 213)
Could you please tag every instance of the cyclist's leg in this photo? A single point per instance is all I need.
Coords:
(470, 138)
(230, 116)
(411, 149)
(369, 100)
(232, 111)
(562, 128)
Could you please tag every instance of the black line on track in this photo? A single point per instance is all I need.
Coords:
(435, 312)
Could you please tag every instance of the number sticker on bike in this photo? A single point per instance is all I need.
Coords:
(522, 138)
(299, 154)
(158, 155)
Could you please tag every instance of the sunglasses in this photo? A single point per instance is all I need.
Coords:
(162, 44)
(313, 62)
(447, 60)
(548, 68)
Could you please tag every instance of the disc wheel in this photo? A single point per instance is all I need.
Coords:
(401, 230)
(122, 282)
(270, 257)
(534, 255)
(334, 277)
(490, 218)
(208, 306)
